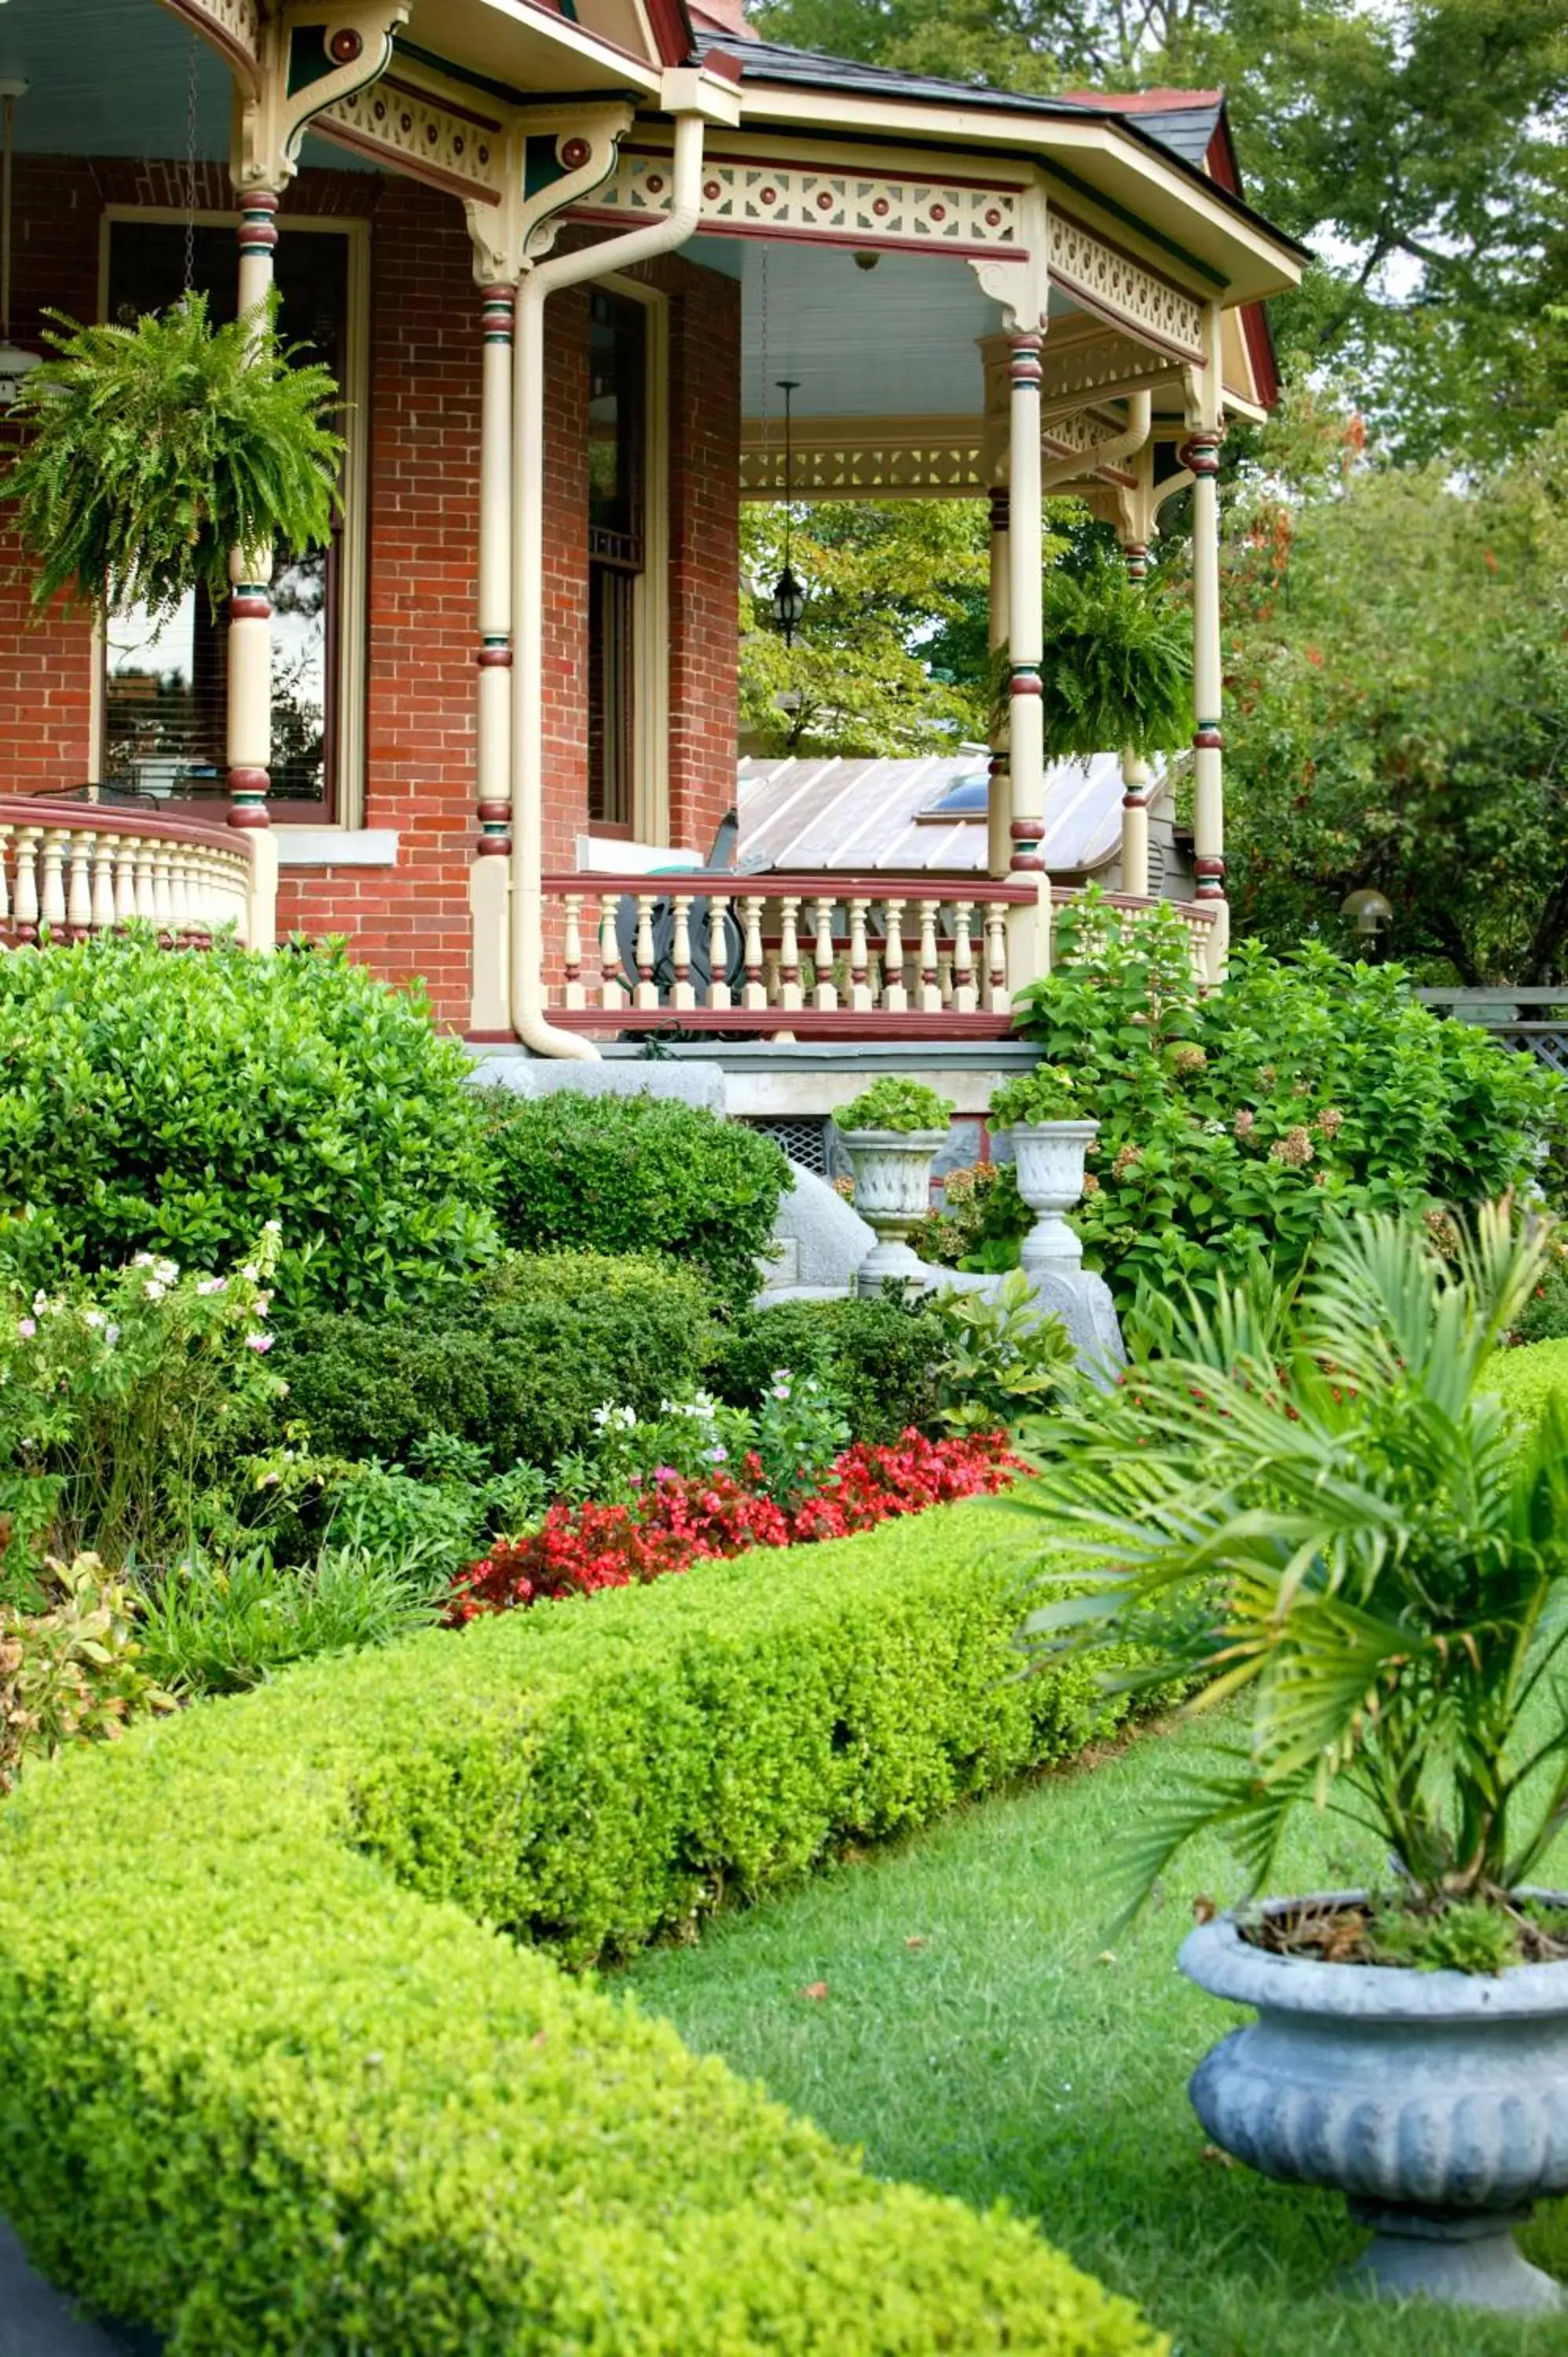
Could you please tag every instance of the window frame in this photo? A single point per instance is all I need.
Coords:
(349, 657)
(650, 596)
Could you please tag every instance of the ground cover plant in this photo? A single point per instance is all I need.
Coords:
(961, 2006)
(279, 2052)
(175, 1104)
(636, 1175)
(1233, 1126)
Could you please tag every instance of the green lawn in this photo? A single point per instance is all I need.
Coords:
(976, 2036)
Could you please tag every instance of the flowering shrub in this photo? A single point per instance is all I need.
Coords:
(678, 1519)
(1235, 1126)
(793, 1438)
(118, 1408)
(69, 1672)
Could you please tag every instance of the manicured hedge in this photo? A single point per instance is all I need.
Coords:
(516, 1362)
(275, 2080)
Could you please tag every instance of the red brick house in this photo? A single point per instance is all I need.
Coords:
(560, 256)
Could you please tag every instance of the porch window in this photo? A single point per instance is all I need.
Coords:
(166, 683)
(618, 538)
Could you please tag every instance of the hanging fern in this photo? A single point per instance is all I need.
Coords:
(1117, 671)
(155, 449)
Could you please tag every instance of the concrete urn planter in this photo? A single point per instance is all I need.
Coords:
(1436, 2102)
(892, 1194)
(1048, 1155)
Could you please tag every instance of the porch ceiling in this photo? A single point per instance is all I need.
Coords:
(108, 78)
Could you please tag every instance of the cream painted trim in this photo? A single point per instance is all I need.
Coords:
(926, 457)
(1253, 263)
(650, 602)
(353, 656)
(336, 847)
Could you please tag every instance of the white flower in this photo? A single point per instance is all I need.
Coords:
(93, 1318)
(272, 1228)
(258, 1342)
(780, 1374)
(251, 1272)
(780, 1392)
(40, 1303)
(165, 1271)
(27, 1327)
(154, 1290)
(603, 1415)
(213, 1284)
(263, 1302)
(111, 1335)
(142, 1260)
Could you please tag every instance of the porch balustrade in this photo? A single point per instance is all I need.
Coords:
(70, 872)
(816, 956)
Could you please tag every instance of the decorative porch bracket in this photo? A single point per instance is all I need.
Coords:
(309, 58)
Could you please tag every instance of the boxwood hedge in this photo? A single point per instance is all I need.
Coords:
(286, 2068)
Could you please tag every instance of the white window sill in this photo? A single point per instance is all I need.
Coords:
(336, 847)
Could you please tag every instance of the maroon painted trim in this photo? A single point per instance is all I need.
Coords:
(701, 882)
(211, 31)
(672, 33)
(804, 1022)
(111, 818)
(722, 62)
(433, 176)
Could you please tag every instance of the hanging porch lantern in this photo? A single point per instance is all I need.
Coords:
(14, 362)
(788, 596)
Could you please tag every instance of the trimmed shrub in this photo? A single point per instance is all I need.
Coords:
(881, 1358)
(263, 2086)
(516, 1365)
(153, 1101)
(637, 1175)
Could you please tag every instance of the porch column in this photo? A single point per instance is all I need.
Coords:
(250, 649)
(1200, 455)
(1029, 931)
(489, 1007)
(999, 806)
(1134, 770)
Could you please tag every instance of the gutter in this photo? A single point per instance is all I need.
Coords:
(694, 98)
(1125, 444)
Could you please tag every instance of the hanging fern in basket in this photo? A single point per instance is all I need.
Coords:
(1116, 676)
(153, 451)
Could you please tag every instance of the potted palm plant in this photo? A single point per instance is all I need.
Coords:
(1317, 1510)
(1050, 1138)
(892, 1133)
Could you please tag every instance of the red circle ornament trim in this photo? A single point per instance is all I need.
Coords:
(344, 47)
(574, 154)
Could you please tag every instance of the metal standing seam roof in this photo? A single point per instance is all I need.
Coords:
(857, 816)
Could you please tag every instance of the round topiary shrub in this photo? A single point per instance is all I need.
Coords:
(177, 1103)
(637, 1175)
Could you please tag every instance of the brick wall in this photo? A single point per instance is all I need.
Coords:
(424, 429)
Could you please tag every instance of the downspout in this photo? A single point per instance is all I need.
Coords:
(1125, 444)
(530, 1020)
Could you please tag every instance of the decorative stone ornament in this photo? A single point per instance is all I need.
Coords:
(1050, 1161)
(892, 1194)
(1436, 2102)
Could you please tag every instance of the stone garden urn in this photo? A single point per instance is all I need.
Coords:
(892, 1194)
(1436, 2102)
(1048, 1158)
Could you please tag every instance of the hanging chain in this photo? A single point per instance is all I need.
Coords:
(191, 99)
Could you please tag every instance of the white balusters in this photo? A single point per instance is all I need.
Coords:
(646, 991)
(51, 887)
(997, 1001)
(77, 854)
(612, 991)
(5, 856)
(718, 950)
(146, 905)
(756, 993)
(28, 903)
(825, 994)
(964, 997)
(681, 991)
(163, 904)
(124, 881)
(571, 951)
(859, 957)
(103, 852)
(786, 992)
(894, 997)
(930, 978)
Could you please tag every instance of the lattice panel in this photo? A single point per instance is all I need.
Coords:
(428, 134)
(1113, 282)
(845, 470)
(1097, 366)
(845, 208)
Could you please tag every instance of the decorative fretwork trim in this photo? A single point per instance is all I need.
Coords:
(754, 197)
(1108, 281)
(426, 135)
(232, 26)
(879, 459)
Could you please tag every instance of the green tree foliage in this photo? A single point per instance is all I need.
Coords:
(1418, 146)
(1396, 659)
